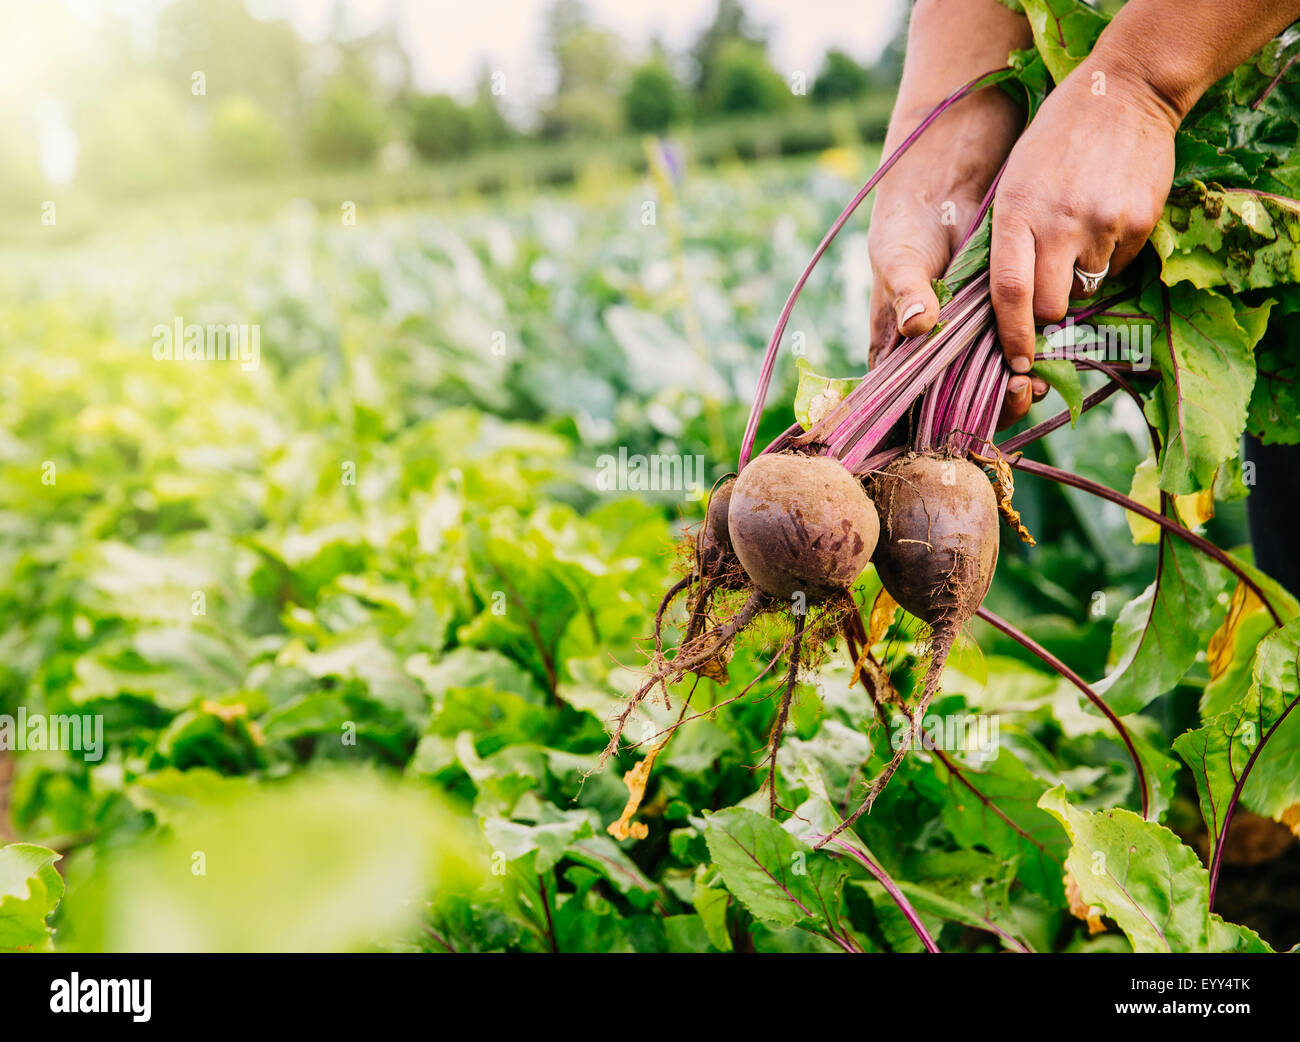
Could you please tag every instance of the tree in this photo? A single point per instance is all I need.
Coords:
(136, 139)
(588, 67)
(346, 124)
(243, 138)
(730, 23)
(744, 81)
(441, 128)
(840, 79)
(653, 100)
(888, 69)
(490, 125)
(262, 60)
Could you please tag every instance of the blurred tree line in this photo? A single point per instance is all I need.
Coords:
(213, 90)
(726, 72)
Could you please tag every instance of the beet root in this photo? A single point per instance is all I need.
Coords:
(936, 558)
(714, 542)
(801, 524)
(941, 536)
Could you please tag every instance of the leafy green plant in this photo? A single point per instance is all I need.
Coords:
(932, 556)
(399, 542)
(30, 890)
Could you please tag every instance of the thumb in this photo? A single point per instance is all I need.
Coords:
(916, 308)
(907, 249)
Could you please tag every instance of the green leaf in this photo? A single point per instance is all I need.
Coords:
(1064, 32)
(817, 395)
(966, 887)
(1204, 351)
(229, 874)
(1063, 378)
(496, 718)
(603, 856)
(1030, 77)
(528, 601)
(549, 838)
(475, 922)
(781, 880)
(170, 794)
(1003, 816)
(1078, 717)
(1251, 118)
(1254, 745)
(1158, 634)
(1230, 654)
(1233, 938)
(1275, 400)
(474, 668)
(971, 260)
(1196, 160)
(1236, 238)
(30, 889)
(711, 904)
(1140, 874)
(941, 291)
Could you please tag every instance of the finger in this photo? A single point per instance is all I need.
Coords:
(1016, 402)
(902, 299)
(1039, 386)
(1053, 279)
(1128, 247)
(916, 308)
(1011, 275)
(908, 248)
(1094, 258)
(883, 330)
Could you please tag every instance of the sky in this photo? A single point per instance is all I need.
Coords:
(448, 39)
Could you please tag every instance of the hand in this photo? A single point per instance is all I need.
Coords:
(924, 205)
(1084, 185)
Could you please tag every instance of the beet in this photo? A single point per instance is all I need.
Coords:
(941, 536)
(714, 545)
(801, 524)
(936, 559)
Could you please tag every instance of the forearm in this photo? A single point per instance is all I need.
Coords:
(950, 42)
(1179, 48)
(923, 204)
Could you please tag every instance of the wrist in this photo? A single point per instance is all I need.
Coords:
(991, 116)
(1145, 73)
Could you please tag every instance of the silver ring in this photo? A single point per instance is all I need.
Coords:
(1091, 280)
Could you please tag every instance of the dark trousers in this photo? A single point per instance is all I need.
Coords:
(1273, 508)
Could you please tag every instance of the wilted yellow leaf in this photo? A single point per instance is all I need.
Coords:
(1197, 508)
(1004, 487)
(1219, 653)
(636, 780)
(1090, 914)
(1194, 509)
(883, 610)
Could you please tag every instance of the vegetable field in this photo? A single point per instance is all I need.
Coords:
(354, 613)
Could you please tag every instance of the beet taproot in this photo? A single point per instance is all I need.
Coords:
(801, 524)
(940, 540)
(936, 558)
(713, 547)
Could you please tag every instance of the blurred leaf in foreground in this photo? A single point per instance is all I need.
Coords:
(331, 861)
(30, 888)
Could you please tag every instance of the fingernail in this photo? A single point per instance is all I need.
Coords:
(913, 309)
(1017, 384)
(1021, 364)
